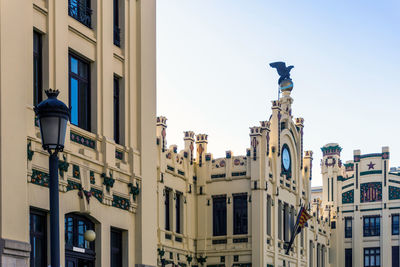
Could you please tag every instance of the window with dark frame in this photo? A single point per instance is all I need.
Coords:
(395, 224)
(75, 228)
(348, 257)
(79, 92)
(372, 226)
(348, 231)
(372, 257)
(219, 215)
(117, 30)
(167, 209)
(38, 238)
(286, 222)
(280, 226)
(269, 218)
(80, 10)
(37, 68)
(240, 214)
(178, 215)
(395, 256)
(116, 247)
(117, 109)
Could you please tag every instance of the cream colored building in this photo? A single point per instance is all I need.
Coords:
(100, 54)
(239, 210)
(361, 198)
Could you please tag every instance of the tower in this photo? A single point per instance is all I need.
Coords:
(330, 169)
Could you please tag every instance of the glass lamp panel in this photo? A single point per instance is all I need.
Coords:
(63, 129)
(49, 127)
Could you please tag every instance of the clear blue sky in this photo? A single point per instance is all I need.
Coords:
(212, 76)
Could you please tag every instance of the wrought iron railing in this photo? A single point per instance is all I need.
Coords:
(117, 36)
(79, 10)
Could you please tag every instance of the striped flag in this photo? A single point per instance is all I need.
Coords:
(302, 219)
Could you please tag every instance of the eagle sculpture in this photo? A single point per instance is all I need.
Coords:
(283, 71)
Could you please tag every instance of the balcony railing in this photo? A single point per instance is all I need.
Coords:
(79, 10)
(117, 36)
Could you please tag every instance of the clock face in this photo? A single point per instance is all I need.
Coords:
(286, 159)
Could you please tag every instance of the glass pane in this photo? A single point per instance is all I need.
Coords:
(49, 130)
(81, 232)
(74, 101)
(378, 260)
(74, 65)
(83, 69)
(366, 260)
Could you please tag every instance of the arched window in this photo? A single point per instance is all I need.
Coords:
(78, 251)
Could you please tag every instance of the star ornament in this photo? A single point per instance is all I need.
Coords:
(371, 165)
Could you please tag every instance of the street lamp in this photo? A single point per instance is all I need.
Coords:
(53, 116)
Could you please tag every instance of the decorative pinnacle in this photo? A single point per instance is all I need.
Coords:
(52, 93)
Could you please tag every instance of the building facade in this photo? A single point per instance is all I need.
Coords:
(361, 199)
(100, 55)
(239, 210)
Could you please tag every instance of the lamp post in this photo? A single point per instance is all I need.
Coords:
(53, 116)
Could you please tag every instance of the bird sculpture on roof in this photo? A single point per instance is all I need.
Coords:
(283, 71)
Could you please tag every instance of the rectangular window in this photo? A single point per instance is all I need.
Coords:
(178, 213)
(38, 238)
(116, 248)
(395, 256)
(348, 257)
(117, 108)
(395, 224)
(372, 226)
(286, 223)
(80, 10)
(372, 257)
(79, 92)
(167, 210)
(280, 220)
(348, 230)
(311, 254)
(269, 218)
(219, 215)
(240, 214)
(37, 68)
(117, 30)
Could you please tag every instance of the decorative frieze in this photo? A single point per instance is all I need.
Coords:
(348, 197)
(72, 185)
(40, 178)
(134, 190)
(370, 192)
(63, 166)
(394, 192)
(29, 151)
(92, 178)
(108, 181)
(119, 154)
(82, 140)
(120, 202)
(76, 173)
(98, 194)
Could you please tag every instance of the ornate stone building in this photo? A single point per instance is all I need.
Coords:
(361, 198)
(100, 54)
(239, 210)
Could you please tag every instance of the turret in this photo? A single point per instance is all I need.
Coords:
(189, 147)
(161, 132)
(330, 168)
(201, 148)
